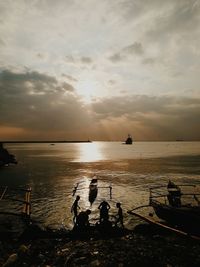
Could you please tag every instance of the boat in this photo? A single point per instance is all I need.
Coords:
(129, 140)
(178, 205)
(173, 207)
(93, 190)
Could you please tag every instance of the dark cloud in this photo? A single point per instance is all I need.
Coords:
(69, 77)
(38, 102)
(144, 104)
(134, 49)
(168, 117)
(86, 60)
(116, 57)
(67, 87)
(78, 60)
(33, 101)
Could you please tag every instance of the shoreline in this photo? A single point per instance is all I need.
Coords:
(143, 246)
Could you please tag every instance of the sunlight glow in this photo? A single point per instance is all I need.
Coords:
(89, 152)
(87, 89)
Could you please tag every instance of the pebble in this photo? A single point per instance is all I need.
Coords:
(11, 260)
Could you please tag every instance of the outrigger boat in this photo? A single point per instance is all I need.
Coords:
(15, 210)
(6, 194)
(93, 189)
(177, 206)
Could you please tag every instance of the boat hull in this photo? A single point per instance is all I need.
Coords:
(93, 190)
(187, 217)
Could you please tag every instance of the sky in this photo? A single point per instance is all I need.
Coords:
(99, 70)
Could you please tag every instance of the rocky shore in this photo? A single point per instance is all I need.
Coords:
(142, 246)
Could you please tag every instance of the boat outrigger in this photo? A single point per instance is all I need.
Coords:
(6, 194)
(15, 211)
(177, 206)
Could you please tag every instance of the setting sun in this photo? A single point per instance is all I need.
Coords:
(87, 89)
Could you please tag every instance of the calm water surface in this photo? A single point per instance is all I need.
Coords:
(53, 170)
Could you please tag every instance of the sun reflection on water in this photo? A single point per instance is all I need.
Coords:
(89, 152)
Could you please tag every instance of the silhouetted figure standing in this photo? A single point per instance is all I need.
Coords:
(75, 208)
(104, 208)
(174, 194)
(119, 215)
(82, 220)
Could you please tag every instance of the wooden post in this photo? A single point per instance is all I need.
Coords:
(27, 203)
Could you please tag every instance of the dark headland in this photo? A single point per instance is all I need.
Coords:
(46, 141)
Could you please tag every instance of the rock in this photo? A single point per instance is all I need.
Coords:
(95, 263)
(23, 249)
(81, 260)
(11, 260)
(95, 253)
(65, 250)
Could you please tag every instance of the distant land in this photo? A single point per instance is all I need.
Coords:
(49, 142)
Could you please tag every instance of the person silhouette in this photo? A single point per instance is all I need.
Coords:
(82, 220)
(74, 208)
(119, 217)
(174, 194)
(104, 208)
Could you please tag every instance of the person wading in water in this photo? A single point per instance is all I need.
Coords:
(104, 208)
(119, 215)
(74, 208)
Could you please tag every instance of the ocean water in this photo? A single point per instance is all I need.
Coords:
(52, 171)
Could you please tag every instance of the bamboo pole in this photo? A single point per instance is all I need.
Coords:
(5, 189)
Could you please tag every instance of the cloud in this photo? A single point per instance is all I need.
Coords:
(181, 17)
(86, 60)
(37, 105)
(78, 60)
(134, 49)
(70, 59)
(2, 43)
(159, 117)
(117, 57)
(38, 102)
(154, 45)
(149, 61)
(69, 77)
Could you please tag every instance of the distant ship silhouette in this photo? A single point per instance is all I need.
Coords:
(129, 140)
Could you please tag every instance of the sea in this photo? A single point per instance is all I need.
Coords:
(52, 170)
